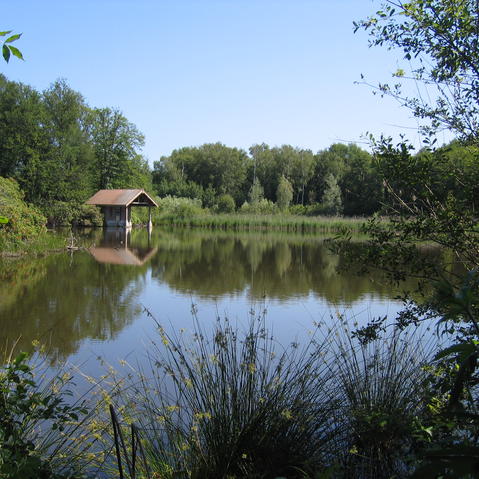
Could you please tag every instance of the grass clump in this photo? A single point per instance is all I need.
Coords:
(232, 404)
(227, 404)
(381, 389)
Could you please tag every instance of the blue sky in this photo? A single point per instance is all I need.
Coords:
(188, 72)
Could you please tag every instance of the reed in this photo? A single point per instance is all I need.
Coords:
(251, 222)
(226, 403)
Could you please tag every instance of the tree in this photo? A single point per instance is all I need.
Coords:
(214, 167)
(65, 171)
(256, 193)
(331, 200)
(439, 40)
(284, 194)
(115, 142)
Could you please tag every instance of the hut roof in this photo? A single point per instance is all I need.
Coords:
(121, 198)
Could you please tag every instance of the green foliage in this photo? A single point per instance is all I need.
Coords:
(259, 207)
(62, 213)
(115, 142)
(33, 423)
(211, 166)
(7, 48)
(437, 39)
(331, 200)
(284, 194)
(256, 193)
(179, 207)
(226, 204)
(25, 222)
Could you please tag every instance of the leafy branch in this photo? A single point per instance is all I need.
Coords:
(7, 48)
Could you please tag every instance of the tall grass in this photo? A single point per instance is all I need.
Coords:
(381, 388)
(227, 403)
(251, 222)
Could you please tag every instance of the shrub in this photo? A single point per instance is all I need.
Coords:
(261, 207)
(381, 386)
(23, 222)
(226, 204)
(62, 213)
(36, 425)
(179, 207)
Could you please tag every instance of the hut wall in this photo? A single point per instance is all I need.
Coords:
(117, 216)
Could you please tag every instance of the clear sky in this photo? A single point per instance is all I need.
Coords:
(189, 72)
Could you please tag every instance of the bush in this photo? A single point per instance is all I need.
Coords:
(36, 425)
(261, 207)
(22, 222)
(226, 204)
(179, 207)
(381, 387)
(62, 213)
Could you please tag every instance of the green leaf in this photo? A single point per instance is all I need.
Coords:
(16, 52)
(6, 53)
(463, 350)
(2, 34)
(13, 38)
(3, 220)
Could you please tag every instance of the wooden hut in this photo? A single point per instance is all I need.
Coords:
(116, 205)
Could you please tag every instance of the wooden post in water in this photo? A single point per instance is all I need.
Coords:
(150, 224)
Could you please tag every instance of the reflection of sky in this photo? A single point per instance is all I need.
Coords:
(289, 320)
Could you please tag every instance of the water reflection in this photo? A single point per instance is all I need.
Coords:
(116, 248)
(65, 299)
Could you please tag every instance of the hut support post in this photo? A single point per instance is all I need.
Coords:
(150, 224)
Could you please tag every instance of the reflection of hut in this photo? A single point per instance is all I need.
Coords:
(122, 255)
(116, 205)
(116, 249)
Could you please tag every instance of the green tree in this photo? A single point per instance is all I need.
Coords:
(284, 194)
(66, 166)
(115, 142)
(331, 199)
(214, 167)
(439, 38)
(256, 193)
(438, 41)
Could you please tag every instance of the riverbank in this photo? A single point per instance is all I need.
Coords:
(45, 243)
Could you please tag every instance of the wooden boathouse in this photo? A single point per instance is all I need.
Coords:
(116, 205)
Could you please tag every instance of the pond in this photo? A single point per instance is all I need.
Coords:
(95, 302)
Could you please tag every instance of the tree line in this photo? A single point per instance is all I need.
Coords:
(61, 151)
(342, 179)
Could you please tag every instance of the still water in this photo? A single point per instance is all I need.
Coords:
(91, 303)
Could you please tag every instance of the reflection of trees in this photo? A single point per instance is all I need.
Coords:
(213, 265)
(71, 298)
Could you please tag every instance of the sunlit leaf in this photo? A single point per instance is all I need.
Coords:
(13, 38)
(16, 52)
